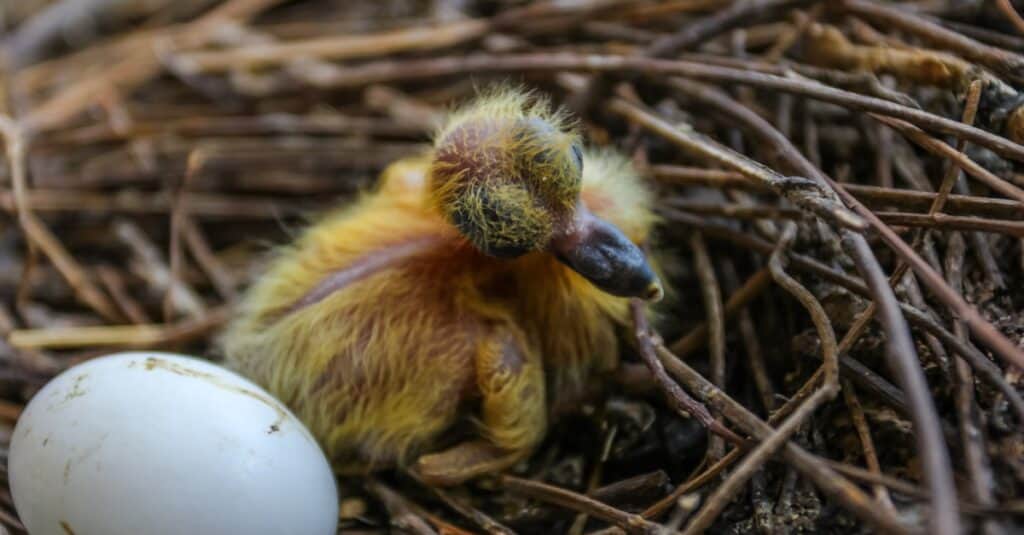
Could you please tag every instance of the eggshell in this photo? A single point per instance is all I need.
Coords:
(148, 443)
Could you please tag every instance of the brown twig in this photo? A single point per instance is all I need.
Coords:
(725, 492)
(474, 515)
(900, 349)
(199, 247)
(126, 336)
(982, 365)
(1001, 61)
(713, 311)
(698, 336)
(115, 284)
(872, 196)
(39, 235)
(979, 470)
(332, 48)
(860, 423)
(1011, 14)
(401, 511)
(207, 206)
(139, 66)
(385, 71)
(969, 166)
(631, 523)
(903, 219)
(801, 192)
(824, 477)
(680, 401)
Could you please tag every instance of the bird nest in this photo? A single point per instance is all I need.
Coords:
(840, 198)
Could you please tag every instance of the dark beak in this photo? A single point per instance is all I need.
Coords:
(604, 255)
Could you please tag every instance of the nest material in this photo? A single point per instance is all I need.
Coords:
(840, 188)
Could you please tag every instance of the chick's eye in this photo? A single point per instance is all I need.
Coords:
(577, 155)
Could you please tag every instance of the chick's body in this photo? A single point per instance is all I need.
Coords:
(383, 325)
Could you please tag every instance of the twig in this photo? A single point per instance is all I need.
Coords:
(676, 396)
(810, 466)
(952, 222)
(151, 267)
(114, 283)
(1001, 61)
(985, 368)
(903, 219)
(332, 48)
(872, 196)
(135, 336)
(139, 66)
(401, 511)
(179, 212)
(822, 324)
(628, 489)
(577, 502)
(979, 471)
(471, 513)
(205, 205)
(713, 310)
(900, 350)
(802, 192)
(933, 145)
(750, 289)
(403, 70)
(725, 492)
(37, 232)
(860, 423)
(751, 343)
(1011, 13)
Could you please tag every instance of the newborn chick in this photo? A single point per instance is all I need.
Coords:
(484, 282)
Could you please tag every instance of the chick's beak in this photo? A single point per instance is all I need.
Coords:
(604, 255)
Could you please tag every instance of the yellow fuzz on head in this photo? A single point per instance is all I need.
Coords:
(507, 170)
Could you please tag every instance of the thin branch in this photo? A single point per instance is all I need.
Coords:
(402, 512)
(677, 397)
(1001, 61)
(941, 149)
(332, 48)
(37, 232)
(872, 196)
(122, 336)
(810, 466)
(981, 364)
(713, 311)
(860, 423)
(725, 492)
(1011, 13)
(631, 523)
(407, 70)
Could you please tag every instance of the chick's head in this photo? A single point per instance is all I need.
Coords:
(507, 172)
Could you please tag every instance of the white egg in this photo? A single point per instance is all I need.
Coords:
(148, 443)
